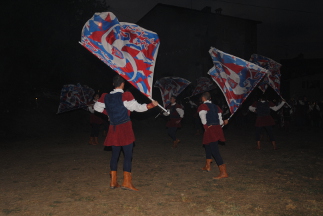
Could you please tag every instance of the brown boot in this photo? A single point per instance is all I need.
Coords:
(175, 143)
(258, 145)
(91, 141)
(127, 182)
(207, 166)
(274, 145)
(223, 172)
(114, 184)
(95, 142)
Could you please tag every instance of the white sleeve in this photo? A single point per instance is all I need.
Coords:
(252, 109)
(133, 105)
(180, 112)
(202, 115)
(91, 109)
(275, 108)
(220, 118)
(99, 107)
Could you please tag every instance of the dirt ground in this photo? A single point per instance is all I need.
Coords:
(47, 168)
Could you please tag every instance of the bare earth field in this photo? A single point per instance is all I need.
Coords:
(47, 168)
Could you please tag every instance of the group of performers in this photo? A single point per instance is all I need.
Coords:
(118, 105)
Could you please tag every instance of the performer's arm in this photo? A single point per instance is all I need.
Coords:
(202, 115)
(99, 106)
(275, 108)
(131, 104)
(252, 108)
(180, 112)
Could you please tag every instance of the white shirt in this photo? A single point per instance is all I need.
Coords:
(132, 105)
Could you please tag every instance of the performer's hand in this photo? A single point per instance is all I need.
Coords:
(177, 122)
(225, 122)
(155, 103)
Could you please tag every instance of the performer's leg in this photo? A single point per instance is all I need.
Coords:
(115, 158)
(208, 161)
(219, 161)
(127, 150)
(270, 132)
(216, 153)
(172, 132)
(96, 130)
(127, 177)
(258, 135)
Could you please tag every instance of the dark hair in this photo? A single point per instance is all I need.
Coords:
(206, 95)
(263, 97)
(118, 80)
(173, 97)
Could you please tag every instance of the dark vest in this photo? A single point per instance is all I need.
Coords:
(212, 116)
(118, 113)
(263, 109)
(173, 112)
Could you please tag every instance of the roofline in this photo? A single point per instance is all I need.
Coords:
(173, 6)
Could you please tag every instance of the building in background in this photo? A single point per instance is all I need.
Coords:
(186, 36)
(303, 77)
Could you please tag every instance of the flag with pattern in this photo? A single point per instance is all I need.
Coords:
(127, 48)
(74, 97)
(236, 77)
(204, 84)
(273, 77)
(171, 86)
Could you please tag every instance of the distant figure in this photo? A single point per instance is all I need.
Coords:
(211, 117)
(175, 117)
(264, 119)
(95, 121)
(118, 105)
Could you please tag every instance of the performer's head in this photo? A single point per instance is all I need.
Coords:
(173, 99)
(118, 81)
(206, 96)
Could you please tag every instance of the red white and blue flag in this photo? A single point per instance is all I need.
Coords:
(74, 97)
(273, 77)
(204, 84)
(235, 77)
(171, 86)
(127, 48)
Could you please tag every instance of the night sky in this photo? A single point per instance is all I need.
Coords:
(41, 49)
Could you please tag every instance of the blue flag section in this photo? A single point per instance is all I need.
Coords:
(127, 48)
(235, 77)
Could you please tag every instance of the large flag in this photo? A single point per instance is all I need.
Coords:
(204, 84)
(74, 97)
(273, 77)
(127, 48)
(235, 77)
(171, 86)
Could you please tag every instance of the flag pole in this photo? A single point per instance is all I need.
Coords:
(159, 105)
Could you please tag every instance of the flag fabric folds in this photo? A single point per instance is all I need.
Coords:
(127, 48)
(273, 77)
(235, 77)
(171, 86)
(204, 84)
(74, 97)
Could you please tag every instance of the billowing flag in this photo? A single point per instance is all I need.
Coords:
(204, 84)
(235, 77)
(273, 77)
(74, 97)
(127, 48)
(171, 86)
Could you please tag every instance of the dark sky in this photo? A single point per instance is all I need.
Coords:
(289, 27)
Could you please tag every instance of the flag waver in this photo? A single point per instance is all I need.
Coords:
(127, 48)
(273, 77)
(235, 77)
(204, 84)
(74, 97)
(171, 86)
